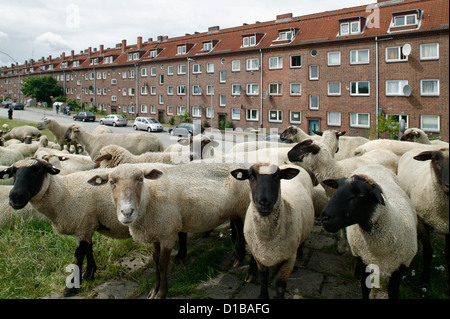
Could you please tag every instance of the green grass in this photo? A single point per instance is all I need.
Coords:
(14, 123)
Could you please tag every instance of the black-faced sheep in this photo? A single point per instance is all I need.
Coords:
(380, 222)
(279, 219)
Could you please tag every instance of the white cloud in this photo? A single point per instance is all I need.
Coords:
(53, 41)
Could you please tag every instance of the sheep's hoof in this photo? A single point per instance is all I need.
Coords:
(151, 295)
(249, 278)
(69, 292)
(236, 263)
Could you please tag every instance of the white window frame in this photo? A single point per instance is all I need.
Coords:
(196, 89)
(401, 84)
(435, 93)
(356, 123)
(357, 56)
(209, 67)
(295, 66)
(405, 20)
(235, 65)
(144, 90)
(426, 58)
(181, 49)
(236, 89)
(333, 93)
(329, 63)
(278, 88)
(332, 123)
(236, 115)
(196, 111)
(222, 100)
(181, 69)
(181, 109)
(153, 71)
(210, 89)
(357, 89)
(278, 118)
(400, 56)
(181, 90)
(169, 110)
(294, 92)
(311, 100)
(209, 112)
(275, 63)
(252, 89)
(352, 23)
(152, 109)
(342, 31)
(311, 77)
(144, 108)
(223, 77)
(196, 68)
(170, 70)
(250, 64)
(131, 92)
(252, 115)
(169, 90)
(428, 129)
(294, 115)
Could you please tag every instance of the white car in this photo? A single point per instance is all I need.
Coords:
(147, 124)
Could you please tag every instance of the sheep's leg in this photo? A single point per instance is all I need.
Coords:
(91, 267)
(156, 254)
(283, 274)
(163, 265)
(252, 269)
(240, 241)
(182, 248)
(264, 275)
(446, 251)
(394, 282)
(361, 275)
(80, 252)
(427, 250)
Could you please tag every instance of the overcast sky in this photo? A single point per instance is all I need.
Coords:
(39, 28)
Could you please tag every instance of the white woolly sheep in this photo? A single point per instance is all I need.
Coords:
(58, 130)
(136, 143)
(29, 149)
(69, 163)
(72, 207)
(9, 156)
(5, 128)
(21, 132)
(397, 147)
(424, 177)
(380, 222)
(194, 197)
(279, 219)
(101, 129)
(419, 136)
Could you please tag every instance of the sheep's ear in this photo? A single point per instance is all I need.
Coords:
(333, 183)
(184, 141)
(6, 172)
(100, 158)
(299, 151)
(317, 132)
(63, 158)
(289, 173)
(213, 143)
(378, 194)
(153, 174)
(52, 170)
(240, 174)
(98, 180)
(338, 134)
(424, 156)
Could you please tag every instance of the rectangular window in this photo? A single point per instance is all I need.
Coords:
(355, 27)
(170, 70)
(161, 79)
(144, 90)
(344, 29)
(295, 88)
(207, 46)
(359, 88)
(235, 66)
(275, 89)
(429, 51)
(295, 117)
(285, 35)
(196, 90)
(181, 89)
(429, 87)
(252, 89)
(144, 108)
(222, 100)
(360, 120)
(210, 67)
(161, 99)
(181, 110)
(235, 114)
(430, 123)
(169, 90)
(334, 58)
(405, 20)
(236, 89)
(181, 49)
(197, 111)
(209, 112)
(153, 90)
(275, 63)
(296, 61)
(395, 87)
(196, 68)
(223, 76)
(169, 110)
(313, 72)
(251, 114)
(275, 116)
(334, 88)
(334, 118)
(359, 56)
(181, 69)
(252, 64)
(313, 102)
(395, 54)
(152, 109)
(210, 90)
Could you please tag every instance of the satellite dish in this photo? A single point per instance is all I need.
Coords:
(407, 90)
(406, 49)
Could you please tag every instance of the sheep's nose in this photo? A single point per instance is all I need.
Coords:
(127, 213)
(324, 217)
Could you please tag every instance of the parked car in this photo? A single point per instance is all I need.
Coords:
(114, 120)
(17, 106)
(148, 124)
(6, 104)
(186, 129)
(84, 116)
(275, 138)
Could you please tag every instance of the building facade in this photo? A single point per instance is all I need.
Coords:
(333, 70)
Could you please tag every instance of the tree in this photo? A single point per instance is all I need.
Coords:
(41, 88)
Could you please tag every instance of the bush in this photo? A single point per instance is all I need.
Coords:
(171, 120)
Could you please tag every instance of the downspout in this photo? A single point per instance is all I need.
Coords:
(376, 87)
(261, 85)
(137, 88)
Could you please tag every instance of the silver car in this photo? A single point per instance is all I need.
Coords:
(147, 124)
(114, 120)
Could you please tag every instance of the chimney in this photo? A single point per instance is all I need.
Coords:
(90, 51)
(139, 43)
(101, 49)
(150, 40)
(124, 45)
(63, 56)
(159, 38)
(284, 17)
(213, 29)
(72, 55)
(50, 58)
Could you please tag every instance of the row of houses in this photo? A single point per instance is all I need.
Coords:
(338, 69)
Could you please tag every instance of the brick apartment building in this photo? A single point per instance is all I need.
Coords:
(332, 70)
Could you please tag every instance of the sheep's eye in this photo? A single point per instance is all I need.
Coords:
(112, 182)
(140, 179)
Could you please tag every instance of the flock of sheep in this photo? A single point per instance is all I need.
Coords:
(381, 195)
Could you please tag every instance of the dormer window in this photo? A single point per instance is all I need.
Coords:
(285, 35)
(181, 49)
(153, 53)
(405, 20)
(94, 61)
(249, 41)
(207, 46)
(350, 26)
(63, 65)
